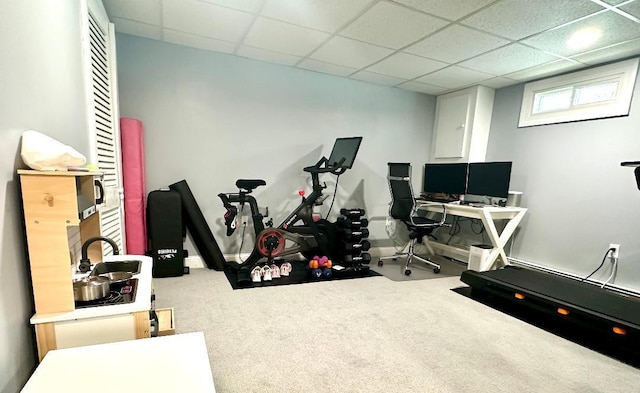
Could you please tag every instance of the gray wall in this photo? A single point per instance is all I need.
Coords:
(41, 84)
(212, 118)
(579, 197)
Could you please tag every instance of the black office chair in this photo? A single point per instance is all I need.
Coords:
(403, 208)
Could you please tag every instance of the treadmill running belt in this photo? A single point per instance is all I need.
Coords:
(562, 291)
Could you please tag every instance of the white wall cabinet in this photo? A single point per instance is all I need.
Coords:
(462, 123)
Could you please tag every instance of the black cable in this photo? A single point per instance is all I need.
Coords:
(473, 221)
(244, 228)
(455, 228)
(335, 191)
(601, 264)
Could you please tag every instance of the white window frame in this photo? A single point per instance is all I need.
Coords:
(623, 72)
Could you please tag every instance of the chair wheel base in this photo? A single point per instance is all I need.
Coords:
(407, 272)
(436, 270)
(380, 263)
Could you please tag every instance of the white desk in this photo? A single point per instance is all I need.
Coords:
(177, 363)
(488, 215)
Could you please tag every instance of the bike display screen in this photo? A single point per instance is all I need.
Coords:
(346, 148)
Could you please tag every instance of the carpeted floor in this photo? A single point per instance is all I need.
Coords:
(394, 269)
(377, 335)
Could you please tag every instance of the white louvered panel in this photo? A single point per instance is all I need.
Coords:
(102, 102)
(110, 223)
(99, 93)
(100, 68)
(102, 86)
(104, 135)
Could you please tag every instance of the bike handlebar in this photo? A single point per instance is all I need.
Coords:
(318, 168)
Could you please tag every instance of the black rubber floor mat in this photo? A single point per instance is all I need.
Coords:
(298, 275)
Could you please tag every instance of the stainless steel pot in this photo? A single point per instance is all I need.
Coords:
(90, 288)
(117, 277)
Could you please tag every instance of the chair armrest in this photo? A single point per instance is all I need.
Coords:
(438, 224)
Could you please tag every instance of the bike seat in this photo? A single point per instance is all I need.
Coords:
(250, 184)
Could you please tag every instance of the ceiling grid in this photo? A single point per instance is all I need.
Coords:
(428, 46)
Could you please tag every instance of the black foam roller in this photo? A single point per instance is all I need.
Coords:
(197, 226)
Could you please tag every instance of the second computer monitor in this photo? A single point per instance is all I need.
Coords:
(445, 178)
(489, 179)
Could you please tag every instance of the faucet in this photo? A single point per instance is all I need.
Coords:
(85, 263)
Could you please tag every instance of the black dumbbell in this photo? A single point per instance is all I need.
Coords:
(353, 213)
(351, 223)
(353, 233)
(363, 258)
(362, 246)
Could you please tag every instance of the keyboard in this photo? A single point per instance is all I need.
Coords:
(439, 200)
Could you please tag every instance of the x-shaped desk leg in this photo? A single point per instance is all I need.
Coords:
(498, 241)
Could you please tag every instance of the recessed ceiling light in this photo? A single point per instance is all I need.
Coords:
(584, 38)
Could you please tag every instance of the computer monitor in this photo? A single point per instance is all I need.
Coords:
(489, 179)
(346, 148)
(445, 178)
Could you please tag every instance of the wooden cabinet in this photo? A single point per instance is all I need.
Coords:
(89, 331)
(461, 129)
(55, 203)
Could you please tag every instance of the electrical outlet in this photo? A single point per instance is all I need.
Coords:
(616, 250)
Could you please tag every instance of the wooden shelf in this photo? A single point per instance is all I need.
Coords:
(52, 202)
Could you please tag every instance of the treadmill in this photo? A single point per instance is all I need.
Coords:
(597, 312)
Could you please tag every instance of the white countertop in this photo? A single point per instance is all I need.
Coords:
(177, 363)
(142, 300)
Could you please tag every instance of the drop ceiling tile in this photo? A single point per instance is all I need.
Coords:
(392, 26)
(510, 58)
(614, 52)
(268, 56)
(327, 15)
(377, 78)
(404, 65)
(326, 68)
(632, 8)
(545, 70)
(498, 82)
(456, 43)
(205, 19)
(283, 37)
(126, 26)
(199, 42)
(615, 28)
(350, 53)
(454, 77)
(242, 5)
(147, 11)
(516, 19)
(422, 88)
(448, 9)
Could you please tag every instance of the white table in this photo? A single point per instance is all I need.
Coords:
(488, 215)
(177, 363)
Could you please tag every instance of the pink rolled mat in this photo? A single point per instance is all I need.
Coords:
(132, 143)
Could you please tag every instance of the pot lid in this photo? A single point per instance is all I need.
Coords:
(90, 281)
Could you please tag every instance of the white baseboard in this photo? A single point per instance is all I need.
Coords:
(194, 262)
(618, 288)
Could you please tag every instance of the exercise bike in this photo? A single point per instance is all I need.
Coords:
(299, 232)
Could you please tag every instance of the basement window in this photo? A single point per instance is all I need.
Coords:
(595, 93)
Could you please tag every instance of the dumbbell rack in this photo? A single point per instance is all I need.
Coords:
(353, 233)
